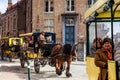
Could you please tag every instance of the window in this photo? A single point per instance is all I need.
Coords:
(14, 24)
(48, 25)
(91, 2)
(70, 5)
(8, 23)
(49, 6)
(69, 22)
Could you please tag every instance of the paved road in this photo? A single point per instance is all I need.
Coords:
(13, 71)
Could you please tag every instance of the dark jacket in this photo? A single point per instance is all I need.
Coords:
(101, 61)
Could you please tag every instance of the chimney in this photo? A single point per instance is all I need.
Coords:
(9, 3)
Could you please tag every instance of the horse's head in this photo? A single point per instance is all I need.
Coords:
(70, 50)
(67, 49)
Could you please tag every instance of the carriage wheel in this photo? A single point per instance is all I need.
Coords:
(36, 65)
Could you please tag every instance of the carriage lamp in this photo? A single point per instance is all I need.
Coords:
(108, 5)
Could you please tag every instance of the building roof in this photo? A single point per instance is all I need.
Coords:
(15, 6)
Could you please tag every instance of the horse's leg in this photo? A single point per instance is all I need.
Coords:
(57, 66)
(68, 74)
(74, 54)
(62, 66)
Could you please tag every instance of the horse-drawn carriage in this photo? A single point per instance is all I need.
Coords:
(53, 54)
(10, 47)
(33, 50)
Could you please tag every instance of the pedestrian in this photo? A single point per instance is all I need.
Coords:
(97, 42)
(102, 56)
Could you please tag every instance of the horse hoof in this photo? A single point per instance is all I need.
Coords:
(58, 72)
(69, 75)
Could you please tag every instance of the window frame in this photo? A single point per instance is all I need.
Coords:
(69, 6)
(47, 25)
(49, 6)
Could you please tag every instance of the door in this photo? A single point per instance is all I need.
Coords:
(69, 30)
(69, 34)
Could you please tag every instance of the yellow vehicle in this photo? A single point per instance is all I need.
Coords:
(28, 53)
(10, 47)
(102, 20)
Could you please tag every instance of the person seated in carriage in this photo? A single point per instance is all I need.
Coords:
(42, 41)
(25, 44)
(15, 45)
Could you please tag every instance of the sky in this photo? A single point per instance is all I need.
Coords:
(4, 4)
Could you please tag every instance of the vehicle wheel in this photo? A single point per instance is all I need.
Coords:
(36, 65)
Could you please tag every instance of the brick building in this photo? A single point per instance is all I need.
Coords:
(13, 20)
(64, 17)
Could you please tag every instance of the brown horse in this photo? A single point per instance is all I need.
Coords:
(62, 54)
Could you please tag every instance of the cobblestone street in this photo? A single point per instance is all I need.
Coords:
(13, 71)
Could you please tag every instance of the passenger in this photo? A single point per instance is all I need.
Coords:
(25, 44)
(101, 57)
(31, 42)
(42, 41)
(95, 46)
(15, 46)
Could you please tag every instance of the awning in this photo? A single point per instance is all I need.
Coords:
(98, 7)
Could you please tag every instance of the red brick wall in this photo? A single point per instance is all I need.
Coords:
(59, 8)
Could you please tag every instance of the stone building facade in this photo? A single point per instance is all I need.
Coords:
(13, 20)
(64, 17)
